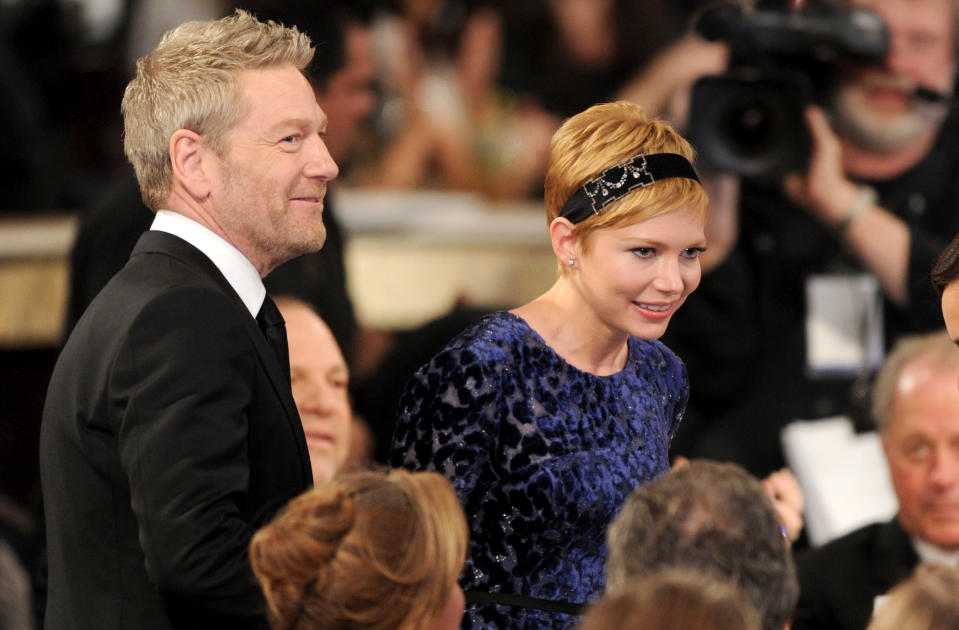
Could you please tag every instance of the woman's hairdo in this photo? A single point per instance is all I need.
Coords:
(366, 550)
(946, 267)
(619, 180)
(610, 134)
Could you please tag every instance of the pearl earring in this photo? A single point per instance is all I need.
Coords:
(570, 262)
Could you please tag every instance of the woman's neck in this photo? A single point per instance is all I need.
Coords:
(569, 325)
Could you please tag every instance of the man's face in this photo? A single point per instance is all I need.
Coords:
(319, 377)
(348, 97)
(875, 106)
(268, 190)
(922, 447)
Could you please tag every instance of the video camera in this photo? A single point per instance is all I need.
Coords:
(750, 120)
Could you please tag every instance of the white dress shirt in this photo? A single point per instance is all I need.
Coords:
(235, 267)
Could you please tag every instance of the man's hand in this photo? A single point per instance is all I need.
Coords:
(787, 499)
(824, 190)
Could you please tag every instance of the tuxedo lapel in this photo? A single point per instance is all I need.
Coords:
(164, 243)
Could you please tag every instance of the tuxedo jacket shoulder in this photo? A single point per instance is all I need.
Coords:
(169, 434)
(840, 580)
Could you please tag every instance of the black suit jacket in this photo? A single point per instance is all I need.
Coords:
(840, 580)
(169, 434)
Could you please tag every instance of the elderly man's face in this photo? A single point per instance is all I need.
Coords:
(319, 377)
(922, 447)
(876, 106)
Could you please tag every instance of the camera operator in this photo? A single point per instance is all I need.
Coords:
(818, 273)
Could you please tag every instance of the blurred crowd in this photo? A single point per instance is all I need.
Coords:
(815, 298)
(458, 94)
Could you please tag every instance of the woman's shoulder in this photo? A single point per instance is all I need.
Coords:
(654, 354)
(495, 335)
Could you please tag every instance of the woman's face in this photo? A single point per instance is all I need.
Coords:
(634, 277)
(452, 614)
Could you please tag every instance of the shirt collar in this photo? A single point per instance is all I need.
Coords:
(933, 554)
(235, 267)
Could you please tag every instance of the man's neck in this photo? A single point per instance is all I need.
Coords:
(182, 203)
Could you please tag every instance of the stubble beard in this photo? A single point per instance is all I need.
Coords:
(278, 240)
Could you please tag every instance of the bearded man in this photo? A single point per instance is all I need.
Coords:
(829, 265)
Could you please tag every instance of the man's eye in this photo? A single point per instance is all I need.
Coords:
(916, 449)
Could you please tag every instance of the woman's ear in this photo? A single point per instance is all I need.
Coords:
(188, 153)
(565, 239)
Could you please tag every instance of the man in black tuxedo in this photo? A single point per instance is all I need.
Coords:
(916, 407)
(342, 75)
(169, 432)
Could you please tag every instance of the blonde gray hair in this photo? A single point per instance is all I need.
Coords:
(937, 346)
(191, 81)
(712, 517)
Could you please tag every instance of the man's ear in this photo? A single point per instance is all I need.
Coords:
(190, 158)
(565, 240)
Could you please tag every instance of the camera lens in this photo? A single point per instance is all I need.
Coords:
(750, 124)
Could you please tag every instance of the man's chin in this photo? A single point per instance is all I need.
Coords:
(881, 127)
(944, 536)
(312, 244)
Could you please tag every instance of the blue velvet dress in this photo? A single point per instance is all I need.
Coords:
(541, 454)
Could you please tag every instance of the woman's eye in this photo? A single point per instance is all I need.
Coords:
(644, 252)
(693, 252)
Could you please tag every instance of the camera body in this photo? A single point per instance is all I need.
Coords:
(750, 120)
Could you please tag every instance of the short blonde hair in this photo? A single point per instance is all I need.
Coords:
(608, 134)
(929, 600)
(673, 598)
(190, 81)
(937, 346)
(367, 550)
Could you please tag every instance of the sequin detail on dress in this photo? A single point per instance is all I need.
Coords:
(541, 455)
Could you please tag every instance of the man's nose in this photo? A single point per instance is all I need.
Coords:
(945, 468)
(320, 163)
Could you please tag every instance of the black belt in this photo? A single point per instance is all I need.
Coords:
(522, 601)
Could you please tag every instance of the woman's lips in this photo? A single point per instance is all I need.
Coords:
(654, 311)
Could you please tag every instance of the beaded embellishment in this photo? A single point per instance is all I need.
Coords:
(631, 175)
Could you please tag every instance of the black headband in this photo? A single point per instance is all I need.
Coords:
(616, 181)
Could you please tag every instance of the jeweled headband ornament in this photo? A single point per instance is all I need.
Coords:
(613, 183)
